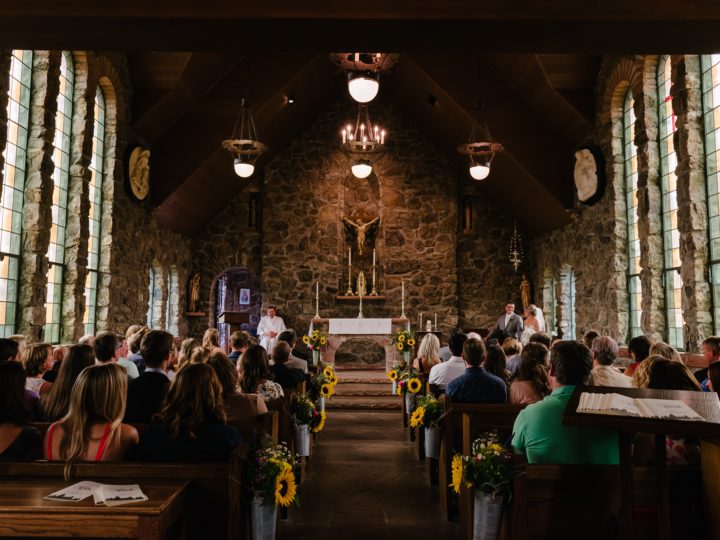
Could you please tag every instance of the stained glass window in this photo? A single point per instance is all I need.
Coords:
(61, 159)
(97, 164)
(711, 109)
(631, 184)
(11, 205)
(668, 183)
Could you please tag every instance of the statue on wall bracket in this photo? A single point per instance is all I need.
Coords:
(361, 231)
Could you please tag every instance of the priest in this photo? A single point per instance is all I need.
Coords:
(269, 328)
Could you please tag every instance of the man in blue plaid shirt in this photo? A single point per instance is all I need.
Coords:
(476, 385)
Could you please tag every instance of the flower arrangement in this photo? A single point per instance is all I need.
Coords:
(271, 473)
(488, 469)
(316, 341)
(429, 412)
(323, 384)
(303, 411)
(404, 340)
(397, 370)
(408, 381)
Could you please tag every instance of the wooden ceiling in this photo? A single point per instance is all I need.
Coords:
(533, 65)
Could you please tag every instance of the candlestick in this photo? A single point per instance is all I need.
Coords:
(402, 299)
(436, 322)
(360, 293)
(374, 290)
(317, 299)
(420, 327)
(349, 291)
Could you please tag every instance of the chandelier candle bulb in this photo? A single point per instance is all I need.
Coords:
(344, 136)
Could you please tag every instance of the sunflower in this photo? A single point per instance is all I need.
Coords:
(416, 419)
(306, 340)
(315, 334)
(333, 380)
(328, 372)
(393, 375)
(285, 487)
(400, 346)
(411, 342)
(323, 340)
(401, 338)
(321, 424)
(414, 385)
(326, 390)
(457, 473)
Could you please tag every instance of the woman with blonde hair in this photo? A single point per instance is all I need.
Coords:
(92, 430)
(37, 359)
(191, 425)
(187, 347)
(428, 354)
(211, 338)
(663, 349)
(641, 377)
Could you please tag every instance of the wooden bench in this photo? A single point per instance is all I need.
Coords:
(486, 417)
(210, 495)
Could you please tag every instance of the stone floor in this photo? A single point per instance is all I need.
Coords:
(364, 481)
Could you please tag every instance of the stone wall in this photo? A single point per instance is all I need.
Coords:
(130, 236)
(594, 245)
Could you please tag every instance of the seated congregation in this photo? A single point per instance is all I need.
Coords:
(100, 400)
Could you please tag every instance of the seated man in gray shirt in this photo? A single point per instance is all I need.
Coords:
(289, 336)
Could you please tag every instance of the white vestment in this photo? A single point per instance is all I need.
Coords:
(276, 324)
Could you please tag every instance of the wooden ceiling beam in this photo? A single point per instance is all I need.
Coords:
(526, 75)
(201, 73)
(531, 26)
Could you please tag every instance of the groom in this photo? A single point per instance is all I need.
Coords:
(510, 324)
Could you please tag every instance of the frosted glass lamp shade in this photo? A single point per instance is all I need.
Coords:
(363, 88)
(243, 169)
(361, 169)
(479, 172)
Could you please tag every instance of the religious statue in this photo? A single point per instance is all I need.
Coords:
(525, 292)
(193, 293)
(361, 230)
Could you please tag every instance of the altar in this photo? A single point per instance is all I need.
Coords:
(361, 344)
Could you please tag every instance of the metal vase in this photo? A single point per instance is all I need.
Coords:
(432, 442)
(316, 357)
(406, 356)
(302, 440)
(409, 402)
(487, 516)
(394, 388)
(322, 404)
(263, 518)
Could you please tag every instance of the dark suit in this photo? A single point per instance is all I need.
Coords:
(513, 329)
(285, 376)
(145, 396)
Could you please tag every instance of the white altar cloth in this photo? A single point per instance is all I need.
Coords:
(360, 326)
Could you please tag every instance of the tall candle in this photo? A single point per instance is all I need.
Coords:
(420, 322)
(349, 256)
(436, 322)
(373, 256)
(402, 297)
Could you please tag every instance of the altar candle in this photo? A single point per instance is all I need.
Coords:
(373, 256)
(420, 322)
(436, 322)
(402, 297)
(349, 256)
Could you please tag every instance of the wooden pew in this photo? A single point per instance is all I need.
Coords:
(211, 503)
(488, 416)
(558, 501)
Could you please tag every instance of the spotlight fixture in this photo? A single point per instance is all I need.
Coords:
(362, 141)
(243, 144)
(480, 153)
(363, 72)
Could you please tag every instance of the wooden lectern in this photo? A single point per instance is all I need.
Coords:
(232, 321)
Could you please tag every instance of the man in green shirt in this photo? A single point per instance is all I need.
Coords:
(539, 433)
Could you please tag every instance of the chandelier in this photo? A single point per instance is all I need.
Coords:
(480, 152)
(362, 141)
(243, 144)
(516, 250)
(363, 71)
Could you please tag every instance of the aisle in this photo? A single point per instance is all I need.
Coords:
(365, 482)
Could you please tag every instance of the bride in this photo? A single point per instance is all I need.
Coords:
(534, 323)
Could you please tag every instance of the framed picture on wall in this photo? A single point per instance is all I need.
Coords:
(244, 297)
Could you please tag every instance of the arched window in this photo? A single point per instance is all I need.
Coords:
(97, 164)
(11, 204)
(711, 109)
(61, 159)
(173, 300)
(566, 321)
(155, 302)
(668, 179)
(631, 184)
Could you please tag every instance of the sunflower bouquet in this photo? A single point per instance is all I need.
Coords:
(304, 413)
(408, 381)
(272, 473)
(315, 341)
(488, 469)
(428, 413)
(404, 340)
(323, 384)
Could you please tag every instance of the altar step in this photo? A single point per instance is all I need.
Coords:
(363, 391)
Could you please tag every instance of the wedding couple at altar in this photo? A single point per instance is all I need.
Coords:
(510, 324)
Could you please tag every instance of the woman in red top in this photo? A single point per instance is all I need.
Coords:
(93, 430)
